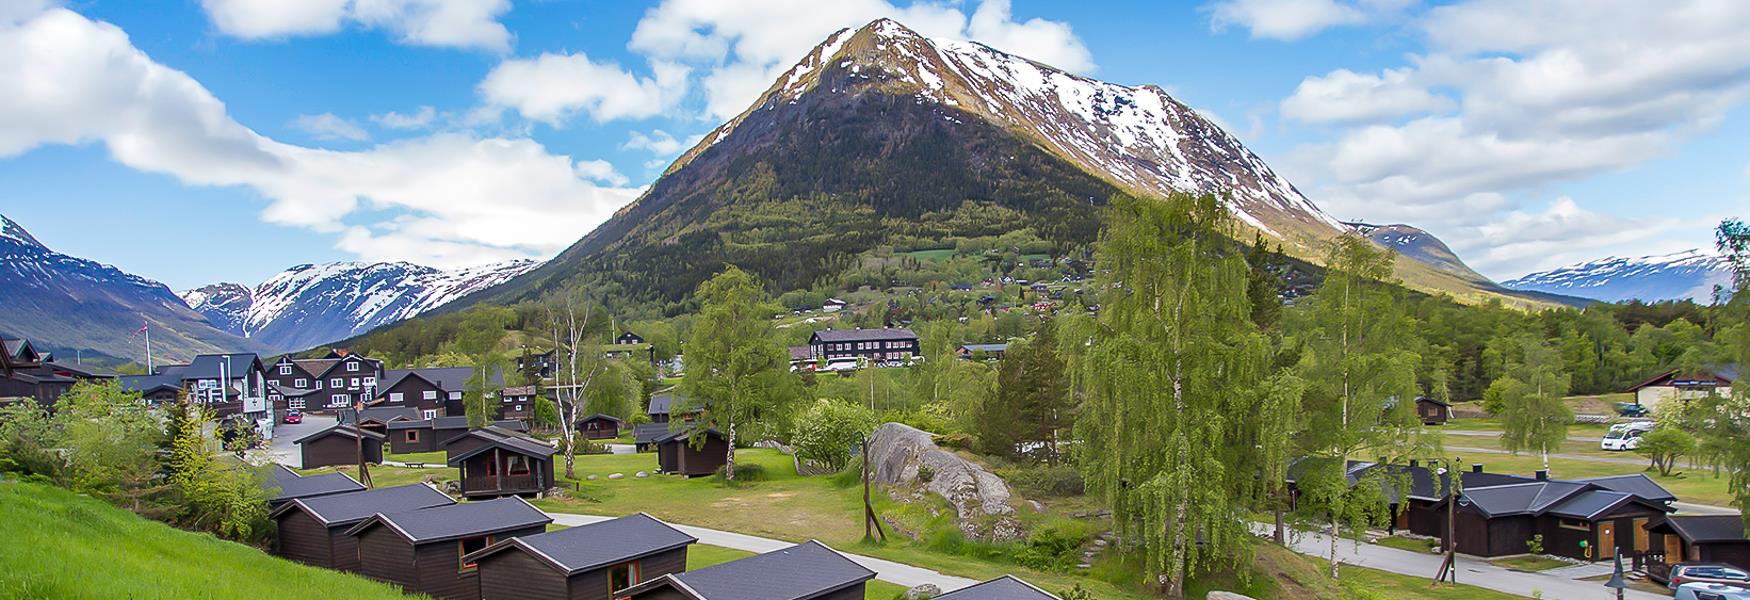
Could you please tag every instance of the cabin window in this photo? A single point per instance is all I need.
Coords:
(467, 546)
(301, 383)
(352, 367)
(296, 403)
(1575, 524)
(412, 435)
(429, 395)
(285, 369)
(395, 397)
(355, 382)
(455, 395)
(336, 382)
(518, 465)
(430, 414)
(622, 576)
(337, 400)
(371, 381)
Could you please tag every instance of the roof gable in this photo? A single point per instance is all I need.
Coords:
(347, 508)
(596, 545)
(801, 572)
(1007, 587)
(453, 521)
(347, 431)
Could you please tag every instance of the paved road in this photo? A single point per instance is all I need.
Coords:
(885, 570)
(283, 451)
(1471, 571)
(1639, 462)
(1496, 434)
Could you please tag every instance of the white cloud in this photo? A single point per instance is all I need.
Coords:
(326, 126)
(1290, 20)
(553, 87)
(744, 46)
(1344, 96)
(420, 119)
(1537, 94)
(659, 142)
(452, 23)
(1564, 233)
(458, 199)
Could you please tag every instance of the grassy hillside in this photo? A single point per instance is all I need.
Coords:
(63, 545)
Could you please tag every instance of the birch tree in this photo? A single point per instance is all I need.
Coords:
(577, 353)
(737, 369)
(1166, 373)
(1533, 416)
(1359, 367)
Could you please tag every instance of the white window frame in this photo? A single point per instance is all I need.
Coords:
(338, 400)
(429, 414)
(370, 381)
(286, 369)
(355, 382)
(301, 383)
(337, 382)
(295, 403)
(428, 395)
(395, 397)
(352, 367)
(455, 395)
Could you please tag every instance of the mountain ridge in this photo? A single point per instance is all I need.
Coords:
(1690, 274)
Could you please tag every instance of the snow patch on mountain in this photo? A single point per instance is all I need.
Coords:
(312, 304)
(1691, 274)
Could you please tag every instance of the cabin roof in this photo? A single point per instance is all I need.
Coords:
(448, 379)
(382, 414)
(602, 417)
(350, 507)
(519, 444)
(292, 485)
(986, 348)
(344, 430)
(804, 571)
(865, 335)
(452, 521)
(587, 547)
(208, 366)
(1007, 587)
(1703, 528)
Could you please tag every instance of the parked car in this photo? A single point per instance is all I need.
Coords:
(1631, 409)
(1625, 436)
(1711, 591)
(294, 416)
(1714, 573)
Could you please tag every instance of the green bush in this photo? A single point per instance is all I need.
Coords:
(1053, 546)
(1042, 482)
(744, 473)
(926, 474)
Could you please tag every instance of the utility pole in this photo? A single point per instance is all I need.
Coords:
(1449, 565)
(358, 407)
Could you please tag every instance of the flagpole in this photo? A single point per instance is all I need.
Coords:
(148, 348)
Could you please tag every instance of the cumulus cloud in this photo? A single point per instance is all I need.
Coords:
(326, 126)
(452, 23)
(455, 198)
(1509, 98)
(1290, 20)
(741, 47)
(553, 87)
(419, 119)
(659, 142)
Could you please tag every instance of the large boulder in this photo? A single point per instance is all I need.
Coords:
(902, 455)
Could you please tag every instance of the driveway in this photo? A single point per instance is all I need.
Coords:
(885, 570)
(281, 450)
(1471, 570)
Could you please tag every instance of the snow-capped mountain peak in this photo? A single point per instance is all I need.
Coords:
(312, 304)
(1690, 274)
(12, 231)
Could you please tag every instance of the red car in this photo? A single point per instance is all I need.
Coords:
(294, 417)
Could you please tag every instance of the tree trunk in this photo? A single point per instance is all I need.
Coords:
(1281, 533)
(729, 457)
(1334, 531)
(1175, 587)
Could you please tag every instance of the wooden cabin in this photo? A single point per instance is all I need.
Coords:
(427, 551)
(431, 435)
(433, 392)
(469, 439)
(504, 466)
(340, 445)
(644, 435)
(588, 562)
(600, 427)
(676, 454)
(806, 571)
(1699, 538)
(377, 419)
(1007, 587)
(288, 485)
(1433, 412)
(313, 530)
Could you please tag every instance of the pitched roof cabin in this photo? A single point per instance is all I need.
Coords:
(26, 373)
(675, 452)
(806, 571)
(600, 427)
(340, 445)
(644, 435)
(629, 338)
(878, 345)
(288, 485)
(1684, 386)
(469, 439)
(313, 530)
(427, 550)
(1432, 412)
(157, 389)
(377, 419)
(587, 562)
(434, 392)
(503, 465)
(668, 403)
(1007, 587)
(431, 435)
(1699, 538)
(336, 381)
(516, 403)
(988, 351)
(1497, 513)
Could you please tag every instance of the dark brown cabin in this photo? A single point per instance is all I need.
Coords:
(600, 427)
(433, 392)
(340, 445)
(504, 466)
(675, 452)
(377, 419)
(1433, 412)
(1699, 538)
(288, 485)
(426, 551)
(588, 562)
(313, 530)
(806, 571)
(454, 441)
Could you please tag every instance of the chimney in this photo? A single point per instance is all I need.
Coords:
(1476, 467)
(1543, 474)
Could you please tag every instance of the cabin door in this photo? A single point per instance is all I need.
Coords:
(1673, 549)
(1607, 539)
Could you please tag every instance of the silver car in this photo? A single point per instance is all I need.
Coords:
(1711, 591)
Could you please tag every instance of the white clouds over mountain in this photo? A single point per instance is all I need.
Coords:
(452, 23)
(553, 87)
(1295, 19)
(455, 198)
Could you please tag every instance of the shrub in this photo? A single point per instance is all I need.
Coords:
(1059, 481)
(1535, 544)
(1052, 546)
(744, 473)
(828, 431)
(926, 474)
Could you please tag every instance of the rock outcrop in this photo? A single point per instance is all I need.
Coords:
(907, 457)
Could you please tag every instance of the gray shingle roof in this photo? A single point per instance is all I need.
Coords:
(519, 443)
(1635, 483)
(986, 348)
(291, 486)
(383, 414)
(452, 521)
(596, 545)
(351, 507)
(166, 378)
(682, 433)
(448, 379)
(801, 572)
(1703, 528)
(646, 433)
(865, 335)
(346, 431)
(1589, 503)
(208, 366)
(1006, 587)
(601, 417)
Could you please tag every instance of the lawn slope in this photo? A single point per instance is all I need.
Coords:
(59, 544)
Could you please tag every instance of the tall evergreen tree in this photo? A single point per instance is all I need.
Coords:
(1359, 365)
(1533, 415)
(1170, 359)
(737, 369)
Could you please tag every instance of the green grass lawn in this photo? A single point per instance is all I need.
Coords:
(938, 254)
(1528, 563)
(1417, 545)
(63, 545)
(1362, 582)
(430, 458)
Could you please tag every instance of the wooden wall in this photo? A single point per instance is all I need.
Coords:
(336, 450)
(516, 575)
(304, 539)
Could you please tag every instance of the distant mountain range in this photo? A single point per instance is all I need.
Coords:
(72, 306)
(309, 305)
(1691, 274)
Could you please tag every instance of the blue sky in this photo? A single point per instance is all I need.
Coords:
(224, 140)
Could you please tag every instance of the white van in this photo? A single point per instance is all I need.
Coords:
(1625, 436)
